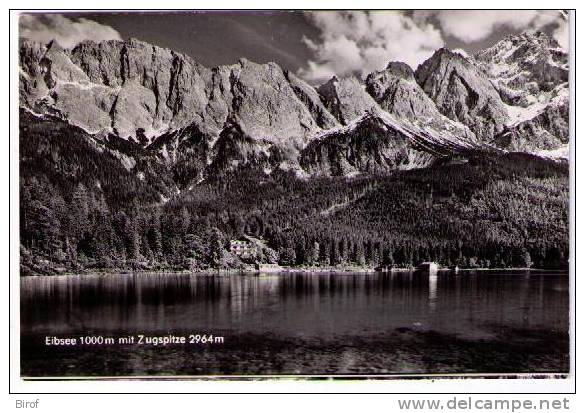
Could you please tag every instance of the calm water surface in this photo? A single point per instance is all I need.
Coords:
(299, 323)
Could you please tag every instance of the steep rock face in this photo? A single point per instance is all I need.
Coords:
(396, 91)
(169, 87)
(49, 82)
(309, 96)
(525, 66)
(31, 82)
(124, 87)
(157, 98)
(118, 87)
(264, 122)
(346, 98)
(463, 93)
(266, 104)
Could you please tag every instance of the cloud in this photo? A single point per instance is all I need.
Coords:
(561, 35)
(361, 42)
(561, 32)
(68, 32)
(474, 25)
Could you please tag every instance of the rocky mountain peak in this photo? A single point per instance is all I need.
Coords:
(265, 101)
(524, 67)
(530, 72)
(396, 91)
(523, 48)
(445, 54)
(55, 46)
(462, 92)
(346, 98)
(401, 70)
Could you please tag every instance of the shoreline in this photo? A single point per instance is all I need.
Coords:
(291, 270)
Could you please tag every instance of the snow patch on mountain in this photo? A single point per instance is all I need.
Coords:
(561, 152)
(519, 114)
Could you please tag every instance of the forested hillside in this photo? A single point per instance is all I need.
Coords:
(82, 209)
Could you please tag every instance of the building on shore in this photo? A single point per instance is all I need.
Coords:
(243, 249)
(428, 266)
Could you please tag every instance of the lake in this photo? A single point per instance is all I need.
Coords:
(295, 324)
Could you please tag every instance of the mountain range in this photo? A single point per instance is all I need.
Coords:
(137, 157)
(183, 116)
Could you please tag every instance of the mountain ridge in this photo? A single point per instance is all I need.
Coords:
(176, 108)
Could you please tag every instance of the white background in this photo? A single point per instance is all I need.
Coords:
(234, 403)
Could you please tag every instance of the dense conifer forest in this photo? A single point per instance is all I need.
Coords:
(84, 207)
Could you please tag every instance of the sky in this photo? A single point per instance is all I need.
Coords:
(315, 45)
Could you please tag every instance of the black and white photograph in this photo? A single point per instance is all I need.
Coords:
(309, 194)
